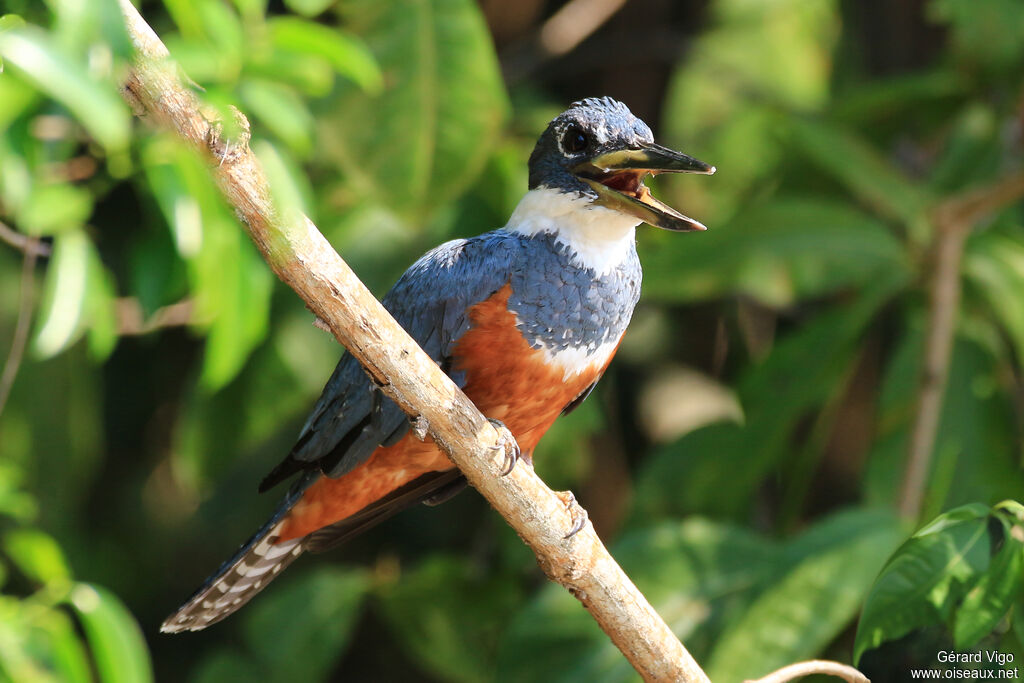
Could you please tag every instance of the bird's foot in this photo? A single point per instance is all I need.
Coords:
(577, 513)
(508, 443)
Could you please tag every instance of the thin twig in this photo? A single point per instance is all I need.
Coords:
(22, 242)
(302, 258)
(131, 320)
(570, 25)
(815, 666)
(17, 352)
(953, 220)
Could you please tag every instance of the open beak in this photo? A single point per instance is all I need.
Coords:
(617, 177)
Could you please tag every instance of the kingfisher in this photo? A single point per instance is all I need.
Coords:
(524, 319)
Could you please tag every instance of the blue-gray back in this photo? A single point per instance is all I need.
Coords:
(557, 305)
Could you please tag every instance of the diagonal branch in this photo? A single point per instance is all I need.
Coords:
(303, 259)
(953, 220)
(23, 242)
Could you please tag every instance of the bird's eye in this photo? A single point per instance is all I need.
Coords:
(574, 140)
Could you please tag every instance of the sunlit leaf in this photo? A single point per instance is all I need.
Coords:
(64, 297)
(426, 136)
(926, 577)
(309, 8)
(36, 555)
(798, 615)
(230, 283)
(17, 97)
(94, 27)
(994, 594)
(8, 22)
(291, 192)
(52, 208)
(345, 53)
(117, 646)
(66, 651)
(282, 111)
(729, 99)
(95, 104)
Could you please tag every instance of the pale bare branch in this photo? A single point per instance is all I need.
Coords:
(302, 258)
(815, 666)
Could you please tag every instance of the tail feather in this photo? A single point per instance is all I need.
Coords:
(255, 565)
(262, 557)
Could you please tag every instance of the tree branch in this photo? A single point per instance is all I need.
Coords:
(31, 247)
(815, 666)
(574, 22)
(303, 259)
(22, 242)
(953, 220)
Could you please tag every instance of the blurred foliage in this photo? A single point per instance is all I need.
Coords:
(779, 353)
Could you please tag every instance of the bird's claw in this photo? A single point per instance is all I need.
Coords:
(508, 443)
(577, 513)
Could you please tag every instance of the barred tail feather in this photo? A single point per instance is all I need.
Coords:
(255, 565)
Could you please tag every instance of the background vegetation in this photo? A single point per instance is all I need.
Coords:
(745, 454)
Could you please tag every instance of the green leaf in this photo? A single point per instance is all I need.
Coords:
(450, 616)
(973, 151)
(8, 22)
(290, 189)
(994, 266)
(974, 455)
(230, 283)
(718, 467)
(86, 28)
(428, 134)
(55, 207)
(66, 651)
(996, 591)
(308, 8)
(36, 555)
(95, 104)
(79, 294)
(64, 297)
(735, 91)
(987, 32)
(780, 252)
(281, 110)
(18, 98)
(298, 631)
(234, 285)
(694, 574)
(117, 646)
(865, 173)
(798, 615)
(926, 577)
(348, 55)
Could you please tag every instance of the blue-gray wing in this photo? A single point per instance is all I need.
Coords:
(351, 418)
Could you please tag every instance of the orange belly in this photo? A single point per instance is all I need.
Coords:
(506, 379)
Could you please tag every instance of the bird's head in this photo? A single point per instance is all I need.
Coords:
(598, 150)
